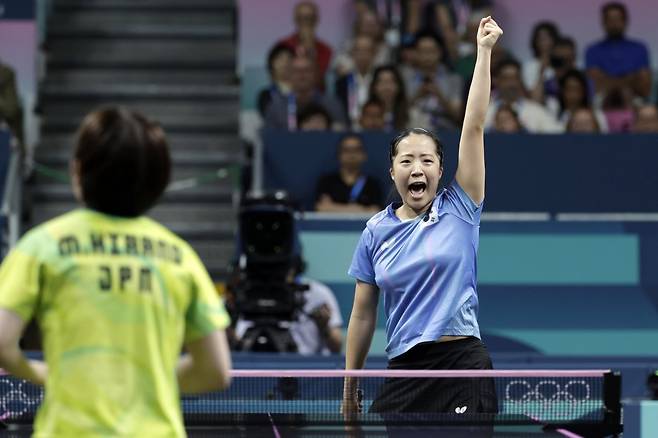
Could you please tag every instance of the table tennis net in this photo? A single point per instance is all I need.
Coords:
(500, 397)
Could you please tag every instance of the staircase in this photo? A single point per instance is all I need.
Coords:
(175, 61)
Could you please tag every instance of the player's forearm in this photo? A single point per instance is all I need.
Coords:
(207, 364)
(359, 337)
(194, 378)
(15, 363)
(187, 380)
(471, 168)
(479, 93)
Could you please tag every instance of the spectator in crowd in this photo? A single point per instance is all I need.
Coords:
(461, 12)
(646, 119)
(11, 114)
(305, 42)
(390, 14)
(361, 6)
(442, 23)
(574, 94)
(618, 109)
(507, 121)
(282, 112)
(352, 89)
(317, 328)
(412, 21)
(508, 89)
(372, 116)
(447, 18)
(313, 117)
(436, 90)
(349, 190)
(367, 24)
(583, 121)
(537, 70)
(406, 63)
(278, 65)
(617, 62)
(563, 60)
(465, 62)
(388, 88)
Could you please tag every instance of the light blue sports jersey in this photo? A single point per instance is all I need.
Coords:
(425, 268)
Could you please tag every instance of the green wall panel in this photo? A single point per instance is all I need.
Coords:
(541, 259)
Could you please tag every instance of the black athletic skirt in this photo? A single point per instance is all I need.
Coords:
(440, 395)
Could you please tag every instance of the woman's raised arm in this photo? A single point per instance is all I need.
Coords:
(470, 167)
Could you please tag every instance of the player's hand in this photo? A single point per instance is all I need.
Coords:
(488, 33)
(352, 404)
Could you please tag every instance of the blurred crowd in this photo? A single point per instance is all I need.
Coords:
(11, 113)
(409, 63)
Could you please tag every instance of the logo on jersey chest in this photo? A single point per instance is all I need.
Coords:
(388, 243)
(430, 217)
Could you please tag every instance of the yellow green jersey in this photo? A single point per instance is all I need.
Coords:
(115, 298)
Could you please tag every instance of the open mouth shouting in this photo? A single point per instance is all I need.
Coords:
(417, 189)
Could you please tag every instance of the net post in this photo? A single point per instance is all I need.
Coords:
(612, 402)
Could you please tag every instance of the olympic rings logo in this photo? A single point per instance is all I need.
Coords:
(548, 391)
(17, 398)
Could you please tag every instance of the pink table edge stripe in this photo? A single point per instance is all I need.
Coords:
(418, 373)
(568, 433)
(412, 373)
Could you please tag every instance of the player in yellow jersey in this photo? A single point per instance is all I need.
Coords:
(116, 296)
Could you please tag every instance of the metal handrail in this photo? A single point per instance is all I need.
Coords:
(258, 164)
(10, 182)
(11, 201)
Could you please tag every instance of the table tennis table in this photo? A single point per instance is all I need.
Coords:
(307, 403)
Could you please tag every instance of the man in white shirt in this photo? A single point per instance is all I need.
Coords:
(317, 328)
(353, 88)
(435, 91)
(509, 90)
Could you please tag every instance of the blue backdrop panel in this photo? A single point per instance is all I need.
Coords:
(295, 161)
(17, 9)
(531, 173)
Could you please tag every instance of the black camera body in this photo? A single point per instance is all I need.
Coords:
(266, 294)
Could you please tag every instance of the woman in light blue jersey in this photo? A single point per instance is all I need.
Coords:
(420, 256)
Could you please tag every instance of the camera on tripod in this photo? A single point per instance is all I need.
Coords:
(266, 296)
